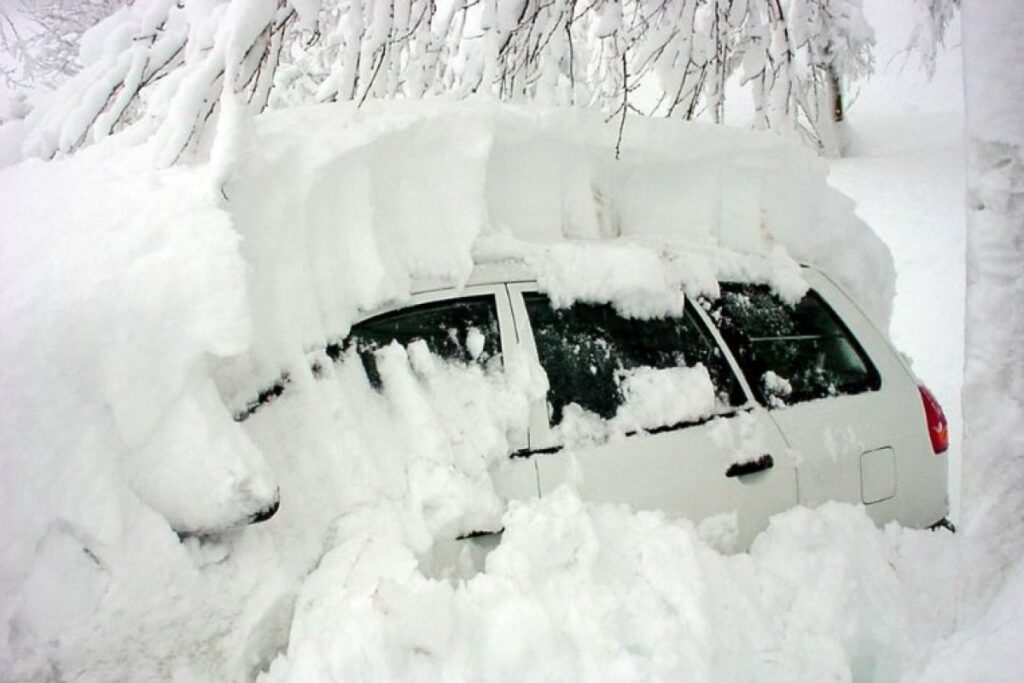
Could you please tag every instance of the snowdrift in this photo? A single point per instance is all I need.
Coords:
(143, 310)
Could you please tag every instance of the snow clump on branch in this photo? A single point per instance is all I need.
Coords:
(165, 64)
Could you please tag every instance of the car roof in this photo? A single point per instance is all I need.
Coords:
(498, 273)
(503, 272)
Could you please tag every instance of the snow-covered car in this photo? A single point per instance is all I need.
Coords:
(740, 407)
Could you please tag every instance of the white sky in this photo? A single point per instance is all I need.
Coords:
(899, 85)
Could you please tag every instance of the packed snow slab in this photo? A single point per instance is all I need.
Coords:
(143, 308)
(392, 191)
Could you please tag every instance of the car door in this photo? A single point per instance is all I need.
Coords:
(847, 414)
(471, 324)
(725, 456)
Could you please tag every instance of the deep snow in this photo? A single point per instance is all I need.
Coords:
(150, 308)
(339, 584)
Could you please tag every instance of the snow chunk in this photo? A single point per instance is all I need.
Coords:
(628, 275)
(233, 132)
(741, 436)
(664, 397)
(475, 341)
(720, 531)
(201, 473)
(776, 388)
(652, 398)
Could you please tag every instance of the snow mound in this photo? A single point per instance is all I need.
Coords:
(587, 593)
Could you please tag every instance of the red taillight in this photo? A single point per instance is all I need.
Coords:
(938, 428)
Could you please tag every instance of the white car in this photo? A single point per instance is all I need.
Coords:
(741, 407)
(811, 402)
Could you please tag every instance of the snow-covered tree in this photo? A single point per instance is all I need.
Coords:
(929, 34)
(169, 63)
(994, 365)
(43, 37)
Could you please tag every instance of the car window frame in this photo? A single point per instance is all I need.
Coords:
(874, 371)
(436, 304)
(506, 327)
(542, 435)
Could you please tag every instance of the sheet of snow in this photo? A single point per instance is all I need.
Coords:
(119, 288)
(906, 173)
(113, 308)
(985, 647)
(632, 276)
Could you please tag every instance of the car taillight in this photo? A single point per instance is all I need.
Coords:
(938, 428)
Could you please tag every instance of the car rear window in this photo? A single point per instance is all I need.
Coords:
(585, 348)
(460, 330)
(790, 353)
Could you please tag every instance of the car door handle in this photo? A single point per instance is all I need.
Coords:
(741, 469)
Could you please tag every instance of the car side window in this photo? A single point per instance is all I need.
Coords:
(460, 330)
(791, 353)
(585, 348)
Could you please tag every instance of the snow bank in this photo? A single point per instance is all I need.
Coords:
(120, 286)
(119, 290)
(588, 593)
(143, 309)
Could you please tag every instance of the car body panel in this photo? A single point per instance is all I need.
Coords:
(680, 471)
(891, 417)
(870, 448)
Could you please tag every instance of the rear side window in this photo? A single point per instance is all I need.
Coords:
(585, 348)
(460, 330)
(791, 353)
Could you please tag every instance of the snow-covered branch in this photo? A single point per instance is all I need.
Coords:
(167, 62)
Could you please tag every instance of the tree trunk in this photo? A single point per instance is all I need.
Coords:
(831, 125)
(835, 89)
(993, 395)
